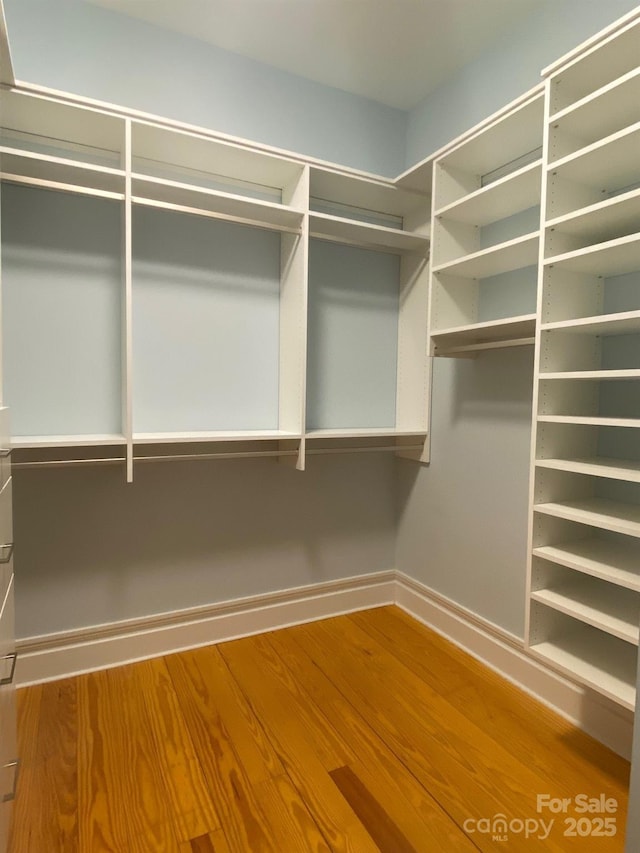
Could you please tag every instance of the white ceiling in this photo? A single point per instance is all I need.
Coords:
(394, 51)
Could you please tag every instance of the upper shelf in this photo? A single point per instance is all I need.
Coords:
(615, 257)
(179, 196)
(367, 235)
(498, 200)
(46, 126)
(603, 63)
(603, 220)
(621, 323)
(47, 171)
(601, 113)
(511, 255)
(607, 165)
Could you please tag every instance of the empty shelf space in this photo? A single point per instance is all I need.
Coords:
(35, 441)
(611, 561)
(590, 421)
(511, 194)
(597, 512)
(621, 323)
(601, 221)
(601, 662)
(608, 608)
(608, 164)
(615, 257)
(604, 111)
(614, 469)
(327, 227)
(512, 255)
(44, 170)
(630, 373)
(475, 335)
(205, 436)
(176, 195)
(366, 432)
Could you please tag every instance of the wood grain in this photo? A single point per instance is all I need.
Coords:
(361, 733)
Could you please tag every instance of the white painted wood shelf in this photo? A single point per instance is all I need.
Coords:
(611, 258)
(40, 441)
(42, 170)
(614, 469)
(367, 235)
(615, 561)
(603, 220)
(619, 323)
(495, 260)
(587, 420)
(498, 200)
(602, 513)
(606, 165)
(212, 436)
(601, 113)
(365, 432)
(582, 375)
(604, 606)
(603, 663)
(491, 334)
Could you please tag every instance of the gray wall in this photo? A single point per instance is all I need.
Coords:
(463, 519)
(92, 549)
(508, 70)
(76, 47)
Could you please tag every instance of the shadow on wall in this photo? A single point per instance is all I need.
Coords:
(193, 533)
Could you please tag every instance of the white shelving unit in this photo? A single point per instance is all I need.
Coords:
(222, 194)
(583, 607)
(485, 230)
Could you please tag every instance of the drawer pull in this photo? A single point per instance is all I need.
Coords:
(9, 678)
(6, 553)
(16, 769)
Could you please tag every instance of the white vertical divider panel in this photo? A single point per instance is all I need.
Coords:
(413, 388)
(126, 308)
(6, 65)
(294, 267)
(536, 365)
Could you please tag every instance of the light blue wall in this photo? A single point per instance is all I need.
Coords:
(512, 67)
(91, 51)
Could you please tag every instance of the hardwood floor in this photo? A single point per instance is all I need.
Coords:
(360, 733)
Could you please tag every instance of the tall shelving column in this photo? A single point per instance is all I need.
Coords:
(485, 233)
(583, 607)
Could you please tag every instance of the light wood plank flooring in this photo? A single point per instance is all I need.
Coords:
(360, 733)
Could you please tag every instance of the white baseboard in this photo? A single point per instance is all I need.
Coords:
(54, 656)
(504, 652)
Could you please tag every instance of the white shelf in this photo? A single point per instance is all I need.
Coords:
(590, 421)
(511, 194)
(327, 227)
(504, 141)
(601, 662)
(631, 373)
(511, 255)
(175, 195)
(370, 193)
(604, 111)
(603, 220)
(615, 257)
(490, 331)
(597, 512)
(621, 323)
(42, 170)
(606, 607)
(617, 562)
(606, 165)
(614, 469)
(373, 432)
(35, 441)
(205, 436)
